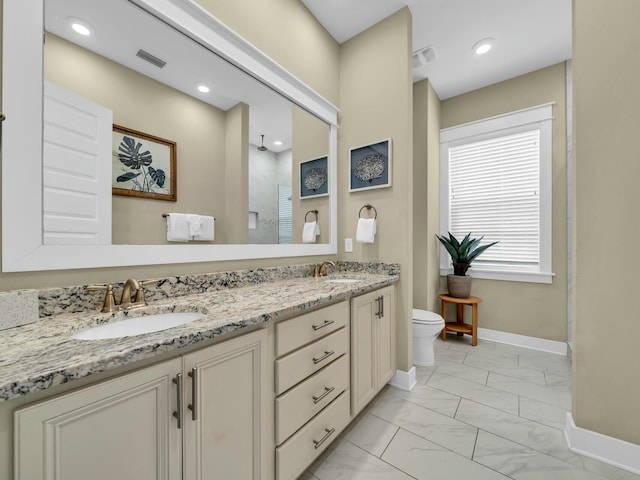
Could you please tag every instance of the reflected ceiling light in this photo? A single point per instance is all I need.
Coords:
(203, 88)
(277, 143)
(79, 26)
(262, 148)
(483, 46)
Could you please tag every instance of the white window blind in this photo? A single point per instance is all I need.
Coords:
(495, 181)
(494, 191)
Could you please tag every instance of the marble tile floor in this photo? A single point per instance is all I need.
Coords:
(488, 412)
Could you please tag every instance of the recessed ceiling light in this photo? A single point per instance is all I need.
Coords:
(277, 143)
(203, 88)
(483, 46)
(79, 26)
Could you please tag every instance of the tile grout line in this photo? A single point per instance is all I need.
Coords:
(385, 449)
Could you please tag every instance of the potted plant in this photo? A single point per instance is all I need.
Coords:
(462, 254)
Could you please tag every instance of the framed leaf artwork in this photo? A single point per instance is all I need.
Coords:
(143, 165)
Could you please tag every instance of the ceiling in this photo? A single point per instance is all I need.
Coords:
(529, 35)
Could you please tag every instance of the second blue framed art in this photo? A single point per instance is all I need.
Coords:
(370, 166)
(314, 176)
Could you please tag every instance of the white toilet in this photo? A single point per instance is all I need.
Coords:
(426, 327)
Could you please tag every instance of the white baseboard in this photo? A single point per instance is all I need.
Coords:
(544, 345)
(404, 380)
(609, 450)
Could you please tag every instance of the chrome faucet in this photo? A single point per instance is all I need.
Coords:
(320, 269)
(131, 287)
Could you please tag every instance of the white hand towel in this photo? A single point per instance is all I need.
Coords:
(178, 227)
(310, 231)
(195, 224)
(207, 229)
(366, 231)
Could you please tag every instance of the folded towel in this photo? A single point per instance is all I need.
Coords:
(207, 229)
(310, 231)
(178, 227)
(366, 231)
(195, 224)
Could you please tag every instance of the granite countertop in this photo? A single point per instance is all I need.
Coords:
(42, 355)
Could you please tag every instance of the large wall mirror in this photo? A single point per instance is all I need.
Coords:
(233, 136)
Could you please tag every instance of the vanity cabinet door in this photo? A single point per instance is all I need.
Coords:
(119, 429)
(225, 410)
(372, 345)
(386, 345)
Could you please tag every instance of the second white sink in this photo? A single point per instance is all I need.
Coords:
(137, 325)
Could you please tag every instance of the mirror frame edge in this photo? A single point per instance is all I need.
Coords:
(22, 73)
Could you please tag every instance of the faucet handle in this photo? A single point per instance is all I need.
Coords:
(140, 292)
(109, 302)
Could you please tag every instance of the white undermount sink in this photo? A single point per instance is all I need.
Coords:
(342, 280)
(137, 325)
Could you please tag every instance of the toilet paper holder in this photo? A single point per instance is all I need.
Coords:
(368, 207)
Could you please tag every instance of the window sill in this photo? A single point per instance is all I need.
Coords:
(508, 276)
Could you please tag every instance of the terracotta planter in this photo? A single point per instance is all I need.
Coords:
(459, 286)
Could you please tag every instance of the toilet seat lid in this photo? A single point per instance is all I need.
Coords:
(424, 316)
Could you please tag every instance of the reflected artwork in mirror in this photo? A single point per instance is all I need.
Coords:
(196, 93)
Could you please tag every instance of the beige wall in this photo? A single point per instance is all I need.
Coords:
(287, 32)
(426, 199)
(375, 107)
(532, 309)
(232, 228)
(143, 104)
(606, 68)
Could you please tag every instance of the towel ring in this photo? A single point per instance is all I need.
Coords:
(368, 207)
(315, 212)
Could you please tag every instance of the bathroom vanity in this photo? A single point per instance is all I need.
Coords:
(256, 389)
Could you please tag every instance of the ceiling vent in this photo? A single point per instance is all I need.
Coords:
(151, 58)
(424, 56)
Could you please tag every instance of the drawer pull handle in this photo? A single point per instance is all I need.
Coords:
(327, 391)
(193, 406)
(324, 357)
(317, 443)
(178, 413)
(326, 323)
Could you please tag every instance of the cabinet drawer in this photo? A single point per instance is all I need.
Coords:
(298, 331)
(297, 453)
(298, 365)
(301, 403)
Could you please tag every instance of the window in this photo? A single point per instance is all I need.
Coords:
(496, 181)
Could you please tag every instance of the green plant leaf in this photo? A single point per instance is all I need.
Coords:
(478, 251)
(453, 252)
(463, 253)
(454, 241)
